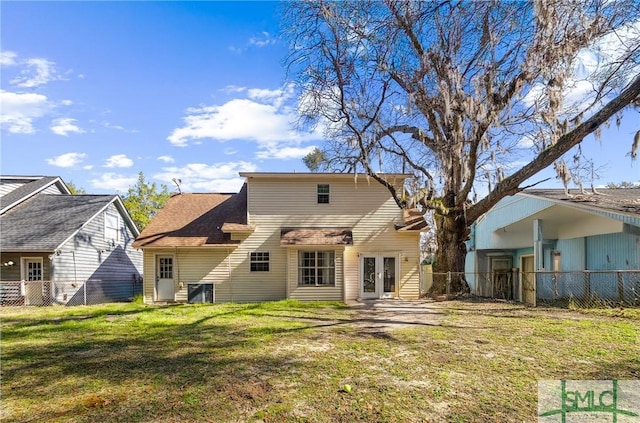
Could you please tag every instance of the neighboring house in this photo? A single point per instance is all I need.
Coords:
(542, 230)
(49, 235)
(309, 236)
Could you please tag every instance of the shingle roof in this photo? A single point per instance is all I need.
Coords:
(316, 236)
(413, 220)
(621, 200)
(25, 191)
(45, 221)
(193, 220)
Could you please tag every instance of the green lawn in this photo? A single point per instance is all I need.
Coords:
(288, 361)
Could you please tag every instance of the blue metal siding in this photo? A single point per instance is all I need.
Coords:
(613, 252)
(572, 254)
(507, 211)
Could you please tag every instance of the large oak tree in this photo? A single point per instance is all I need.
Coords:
(456, 92)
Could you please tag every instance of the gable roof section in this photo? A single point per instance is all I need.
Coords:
(30, 187)
(46, 221)
(196, 220)
(316, 236)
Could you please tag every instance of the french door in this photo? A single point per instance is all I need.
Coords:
(378, 275)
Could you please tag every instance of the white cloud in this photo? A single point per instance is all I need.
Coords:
(283, 152)
(65, 126)
(113, 182)
(232, 89)
(8, 58)
(19, 110)
(67, 159)
(166, 159)
(38, 72)
(230, 151)
(66, 102)
(263, 40)
(119, 160)
(266, 117)
(200, 177)
(110, 125)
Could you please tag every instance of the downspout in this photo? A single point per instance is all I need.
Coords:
(229, 272)
(175, 253)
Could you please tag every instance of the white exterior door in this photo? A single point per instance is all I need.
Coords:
(165, 286)
(33, 285)
(378, 275)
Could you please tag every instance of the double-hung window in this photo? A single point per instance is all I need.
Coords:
(323, 193)
(260, 261)
(316, 268)
(111, 227)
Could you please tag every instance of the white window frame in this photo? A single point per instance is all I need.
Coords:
(108, 230)
(316, 268)
(24, 273)
(259, 258)
(327, 194)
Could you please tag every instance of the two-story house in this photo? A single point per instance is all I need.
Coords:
(309, 236)
(58, 248)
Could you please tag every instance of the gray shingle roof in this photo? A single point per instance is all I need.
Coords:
(46, 221)
(621, 200)
(25, 191)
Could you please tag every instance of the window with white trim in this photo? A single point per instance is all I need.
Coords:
(32, 269)
(316, 268)
(260, 261)
(323, 193)
(111, 227)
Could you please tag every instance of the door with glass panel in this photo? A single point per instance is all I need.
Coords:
(378, 276)
(165, 286)
(33, 284)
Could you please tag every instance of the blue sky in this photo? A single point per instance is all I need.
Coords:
(97, 91)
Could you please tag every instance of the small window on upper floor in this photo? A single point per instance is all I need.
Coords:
(323, 193)
(111, 227)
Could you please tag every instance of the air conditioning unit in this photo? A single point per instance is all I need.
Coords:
(200, 293)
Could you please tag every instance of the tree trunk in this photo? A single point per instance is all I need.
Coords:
(451, 233)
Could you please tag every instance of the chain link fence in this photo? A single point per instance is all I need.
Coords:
(582, 289)
(588, 288)
(68, 293)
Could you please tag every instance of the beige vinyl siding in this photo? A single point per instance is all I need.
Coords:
(228, 269)
(365, 206)
(273, 204)
(314, 293)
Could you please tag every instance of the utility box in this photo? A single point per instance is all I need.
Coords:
(200, 293)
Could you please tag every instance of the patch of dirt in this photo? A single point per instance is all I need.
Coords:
(377, 318)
